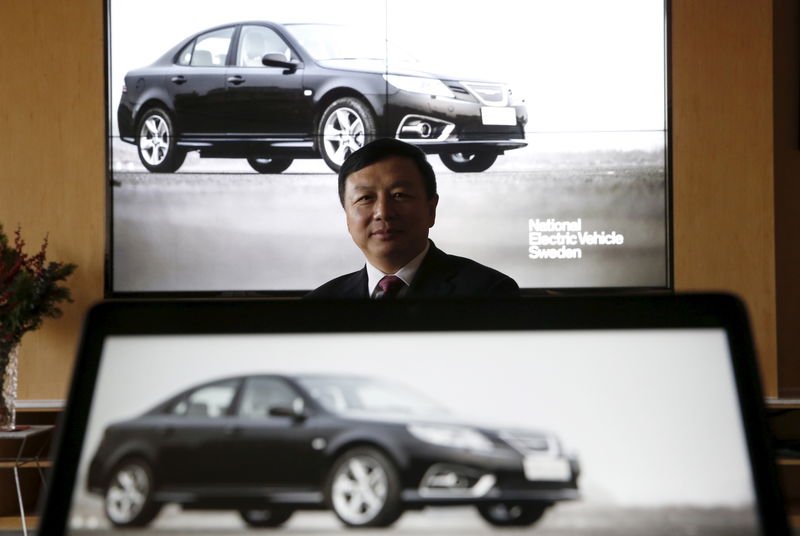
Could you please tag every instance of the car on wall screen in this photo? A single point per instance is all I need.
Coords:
(269, 445)
(272, 93)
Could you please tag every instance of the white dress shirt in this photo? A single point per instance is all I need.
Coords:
(406, 273)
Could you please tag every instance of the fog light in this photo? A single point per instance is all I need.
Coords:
(421, 129)
(445, 480)
(417, 127)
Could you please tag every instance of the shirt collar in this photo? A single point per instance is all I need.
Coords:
(406, 273)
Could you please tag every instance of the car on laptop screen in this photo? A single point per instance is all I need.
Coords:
(368, 449)
(272, 93)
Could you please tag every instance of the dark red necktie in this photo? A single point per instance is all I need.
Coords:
(389, 286)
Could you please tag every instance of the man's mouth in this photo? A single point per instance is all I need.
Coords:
(384, 234)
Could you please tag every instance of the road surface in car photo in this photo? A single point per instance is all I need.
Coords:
(217, 225)
(564, 520)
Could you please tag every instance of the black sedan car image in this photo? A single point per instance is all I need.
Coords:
(272, 93)
(269, 445)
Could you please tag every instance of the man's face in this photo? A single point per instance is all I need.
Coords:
(388, 212)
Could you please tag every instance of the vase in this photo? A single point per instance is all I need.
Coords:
(9, 364)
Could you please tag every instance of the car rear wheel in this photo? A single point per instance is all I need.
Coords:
(268, 517)
(468, 162)
(346, 126)
(129, 495)
(510, 514)
(264, 164)
(363, 489)
(156, 142)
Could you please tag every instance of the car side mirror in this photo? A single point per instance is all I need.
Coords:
(296, 411)
(279, 60)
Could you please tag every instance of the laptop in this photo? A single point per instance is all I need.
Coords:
(601, 415)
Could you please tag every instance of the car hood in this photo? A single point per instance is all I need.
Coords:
(449, 420)
(378, 66)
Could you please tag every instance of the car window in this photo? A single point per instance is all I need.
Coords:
(345, 395)
(211, 49)
(185, 55)
(332, 397)
(262, 394)
(255, 41)
(208, 401)
(333, 41)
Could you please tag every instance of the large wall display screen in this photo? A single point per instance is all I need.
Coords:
(546, 122)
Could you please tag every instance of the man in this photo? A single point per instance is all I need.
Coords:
(388, 191)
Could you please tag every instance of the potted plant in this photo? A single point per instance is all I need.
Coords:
(29, 293)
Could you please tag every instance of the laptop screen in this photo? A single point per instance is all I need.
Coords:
(567, 431)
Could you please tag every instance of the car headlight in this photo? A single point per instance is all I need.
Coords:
(416, 84)
(458, 437)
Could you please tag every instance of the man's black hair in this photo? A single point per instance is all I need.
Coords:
(382, 149)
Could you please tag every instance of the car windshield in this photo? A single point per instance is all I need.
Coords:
(334, 42)
(362, 395)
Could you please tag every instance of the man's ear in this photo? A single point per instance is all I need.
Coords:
(432, 203)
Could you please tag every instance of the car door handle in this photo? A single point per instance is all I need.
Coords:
(178, 80)
(236, 80)
(166, 430)
(231, 430)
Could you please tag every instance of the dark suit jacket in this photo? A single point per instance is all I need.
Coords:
(439, 276)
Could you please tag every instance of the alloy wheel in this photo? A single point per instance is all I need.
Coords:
(359, 490)
(343, 134)
(512, 515)
(468, 162)
(154, 140)
(127, 494)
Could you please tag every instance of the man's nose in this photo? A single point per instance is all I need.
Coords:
(384, 208)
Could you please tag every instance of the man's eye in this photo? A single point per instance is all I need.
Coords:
(400, 195)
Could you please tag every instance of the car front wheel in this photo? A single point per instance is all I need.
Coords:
(511, 515)
(468, 162)
(264, 164)
(270, 517)
(156, 142)
(363, 489)
(128, 499)
(346, 126)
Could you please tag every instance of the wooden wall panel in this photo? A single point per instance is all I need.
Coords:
(723, 157)
(52, 162)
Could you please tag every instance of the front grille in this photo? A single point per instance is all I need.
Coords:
(457, 89)
(530, 442)
(488, 94)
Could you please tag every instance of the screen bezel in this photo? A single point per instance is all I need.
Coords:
(187, 317)
(108, 279)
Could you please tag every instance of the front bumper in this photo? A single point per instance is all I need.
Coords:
(441, 476)
(459, 124)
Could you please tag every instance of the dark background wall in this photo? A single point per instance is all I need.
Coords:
(787, 191)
